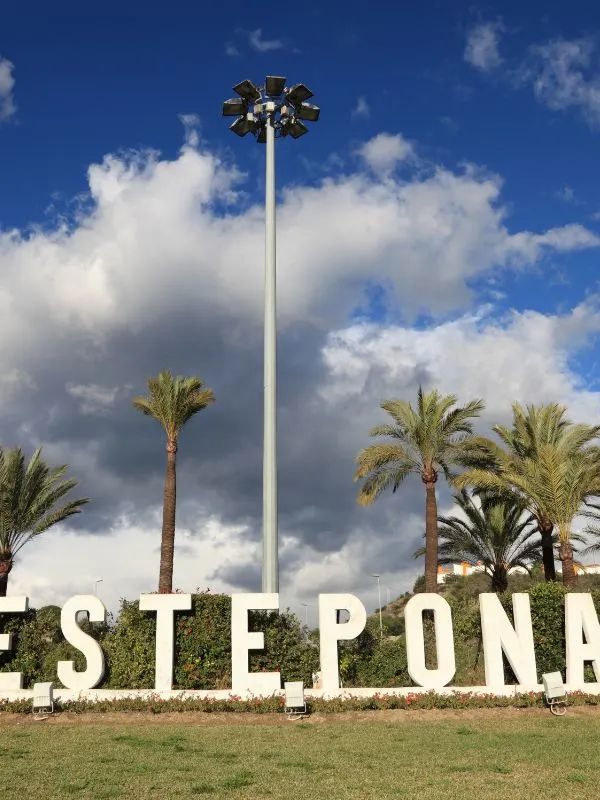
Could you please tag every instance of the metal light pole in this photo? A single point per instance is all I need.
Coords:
(96, 582)
(270, 570)
(305, 614)
(269, 112)
(379, 596)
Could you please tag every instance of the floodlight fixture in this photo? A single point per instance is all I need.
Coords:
(297, 129)
(247, 90)
(43, 697)
(235, 107)
(555, 693)
(274, 85)
(271, 104)
(308, 112)
(243, 125)
(298, 94)
(295, 702)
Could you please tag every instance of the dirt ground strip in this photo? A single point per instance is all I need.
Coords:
(248, 718)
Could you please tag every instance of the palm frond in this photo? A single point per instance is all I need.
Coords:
(173, 401)
(431, 436)
(31, 498)
(547, 460)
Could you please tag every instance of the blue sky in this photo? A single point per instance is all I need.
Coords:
(439, 224)
(91, 82)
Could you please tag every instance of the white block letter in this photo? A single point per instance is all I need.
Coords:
(499, 636)
(90, 648)
(10, 681)
(165, 606)
(242, 681)
(581, 618)
(415, 641)
(331, 632)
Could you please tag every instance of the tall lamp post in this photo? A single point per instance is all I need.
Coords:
(379, 597)
(305, 614)
(269, 112)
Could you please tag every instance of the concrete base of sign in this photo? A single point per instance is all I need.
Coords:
(97, 695)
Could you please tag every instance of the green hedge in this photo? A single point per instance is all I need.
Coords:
(39, 644)
(203, 648)
(371, 661)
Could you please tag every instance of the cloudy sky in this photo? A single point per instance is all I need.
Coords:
(440, 225)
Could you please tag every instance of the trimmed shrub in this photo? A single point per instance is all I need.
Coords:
(386, 665)
(202, 657)
(547, 601)
(129, 649)
(203, 643)
(39, 645)
(288, 647)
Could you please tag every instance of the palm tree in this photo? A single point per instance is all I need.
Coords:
(553, 485)
(496, 532)
(424, 440)
(533, 427)
(30, 503)
(540, 440)
(591, 533)
(172, 401)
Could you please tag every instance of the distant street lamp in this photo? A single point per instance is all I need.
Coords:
(305, 614)
(379, 595)
(270, 112)
(96, 582)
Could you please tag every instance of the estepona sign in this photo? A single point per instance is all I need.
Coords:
(500, 637)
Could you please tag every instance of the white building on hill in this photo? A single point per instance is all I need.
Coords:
(464, 569)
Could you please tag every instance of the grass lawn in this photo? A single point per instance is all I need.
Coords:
(478, 755)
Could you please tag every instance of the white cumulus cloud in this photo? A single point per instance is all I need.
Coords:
(428, 235)
(262, 45)
(93, 399)
(385, 151)
(362, 109)
(162, 268)
(482, 47)
(523, 356)
(7, 84)
(564, 75)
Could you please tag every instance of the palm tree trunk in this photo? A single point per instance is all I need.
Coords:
(565, 552)
(431, 534)
(6, 564)
(545, 528)
(499, 579)
(167, 544)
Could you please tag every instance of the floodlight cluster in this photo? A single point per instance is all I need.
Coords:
(285, 107)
